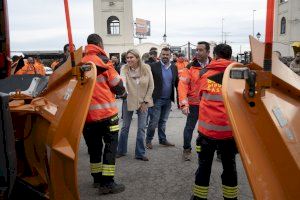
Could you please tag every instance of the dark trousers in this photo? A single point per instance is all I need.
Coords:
(206, 148)
(98, 135)
(190, 124)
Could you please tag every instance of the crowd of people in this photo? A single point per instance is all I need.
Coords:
(34, 65)
(292, 63)
(147, 86)
(295, 64)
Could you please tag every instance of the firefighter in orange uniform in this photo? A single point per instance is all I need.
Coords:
(188, 92)
(102, 123)
(215, 132)
(32, 67)
(181, 63)
(57, 63)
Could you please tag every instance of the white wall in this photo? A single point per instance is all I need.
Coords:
(291, 11)
(145, 47)
(121, 9)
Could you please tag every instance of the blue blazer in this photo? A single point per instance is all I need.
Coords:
(157, 77)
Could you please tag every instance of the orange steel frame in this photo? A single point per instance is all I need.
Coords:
(51, 127)
(266, 127)
(270, 151)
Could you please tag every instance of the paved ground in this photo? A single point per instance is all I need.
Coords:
(164, 177)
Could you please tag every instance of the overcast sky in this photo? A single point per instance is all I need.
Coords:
(40, 24)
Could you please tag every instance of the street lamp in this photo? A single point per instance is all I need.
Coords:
(253, 24)
(165, 38)
(258, 35)
(225, 36)
(165, 35)
(222, 28)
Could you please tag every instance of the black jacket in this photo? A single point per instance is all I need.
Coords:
(150, 61)
(157, 77)
(195, 63)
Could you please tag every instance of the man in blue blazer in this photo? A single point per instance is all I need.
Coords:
(165, 77)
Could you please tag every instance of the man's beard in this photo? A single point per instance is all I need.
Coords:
(165, 61)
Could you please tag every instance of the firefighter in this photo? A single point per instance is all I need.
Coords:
(214, 129)
(102, 122)
(181, 63)
(32, 67)
(58, 63)
(188, 92)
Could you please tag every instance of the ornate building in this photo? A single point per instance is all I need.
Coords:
(286, 26)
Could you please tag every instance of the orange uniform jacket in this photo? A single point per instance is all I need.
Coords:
(36, 68)
(103, 104)
(213, 120)
(181, 64)
(189, 85)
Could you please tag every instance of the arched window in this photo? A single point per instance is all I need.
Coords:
(283, 26)
(113, 25)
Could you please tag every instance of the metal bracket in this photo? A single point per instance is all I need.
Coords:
(31, 91)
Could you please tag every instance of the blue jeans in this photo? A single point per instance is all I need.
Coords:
(123, 139)
(158, 118)
(148, 117)
(190, 124)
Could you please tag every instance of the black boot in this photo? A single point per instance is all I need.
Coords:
(113, 188)
(96, 185)
(195, 198)
(97, 179)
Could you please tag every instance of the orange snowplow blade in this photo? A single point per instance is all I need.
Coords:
(268, 133)
(51, 126)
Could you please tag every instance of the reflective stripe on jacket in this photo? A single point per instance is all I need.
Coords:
(213, 121)
(103, 103)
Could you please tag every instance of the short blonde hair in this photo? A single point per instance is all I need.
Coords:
(136, 54)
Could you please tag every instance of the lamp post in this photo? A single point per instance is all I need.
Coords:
(222, 28)
(165, 34)
(225, 36)
(165, 38)
(253, 23)
(258, 35)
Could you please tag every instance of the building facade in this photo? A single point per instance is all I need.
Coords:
(113, 21)
(286, 26)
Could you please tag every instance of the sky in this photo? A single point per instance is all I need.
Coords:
(40, 24)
